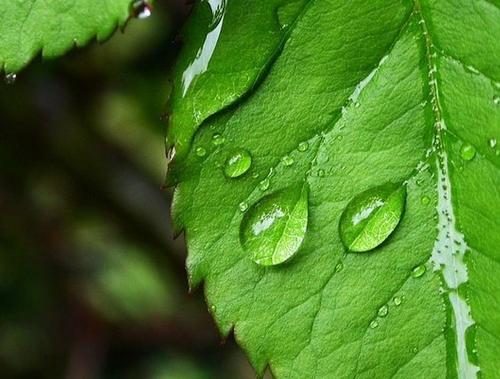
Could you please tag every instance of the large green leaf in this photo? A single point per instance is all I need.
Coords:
(359, 94)
(54, 26)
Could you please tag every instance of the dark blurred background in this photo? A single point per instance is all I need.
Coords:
(92, 283)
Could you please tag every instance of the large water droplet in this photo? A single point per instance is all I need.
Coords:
(372, 216)
(467, 152)
(273, 228)
(238, 163)
(141, 9)
(10, 78)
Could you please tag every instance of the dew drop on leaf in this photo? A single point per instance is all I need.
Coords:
(141, 9)
(243, 206)
(273, 228)
(303, 146)
(218, 139)
(374, 324)
(200, 151)
(492, 142)
(425, 200)
(397, 300)
(496, 100)
(10, 78)
(237, 163)
(383, 311)
(339, 267)
(264, 184)
(321, 173)
(371, 217)
(287, 160)
(418, 271)
(467, 152)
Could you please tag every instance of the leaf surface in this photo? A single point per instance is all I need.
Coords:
(359, 94)
(54, 26)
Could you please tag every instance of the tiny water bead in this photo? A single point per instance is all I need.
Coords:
(496, 100)
(218, 139)
(141, 9)
(467, 152)
(374, 324)
(237, 163)
(243, 206)
(273, 229)
(321, 173)
(418, 271)
(10, 78)
(425, 200)
(303, 146)
(492, 142)
(397, 300)
(264, 184)
(200, 152)
(287, 160)
(371, 217)
(339, 267)
(383, 311)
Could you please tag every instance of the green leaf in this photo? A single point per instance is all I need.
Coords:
(54, 26)
(360, 93)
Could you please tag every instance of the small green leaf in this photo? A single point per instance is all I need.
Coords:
(273, 229)
(372, 216)
(53, 27)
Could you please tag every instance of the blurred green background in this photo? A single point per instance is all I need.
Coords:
(92, 283)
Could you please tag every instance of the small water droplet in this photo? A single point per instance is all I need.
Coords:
(238, 163)
(492, 142)
(255, 175)
(171, 154)
(425, 200)
(213, 308)
(383, 311)
(371, 217)
(303, 146)
(374, 324)
(218, 139)
(339, 267)
(397, 300)
(287, 160)
(10, 78)
(419, 181)
(418, 271)
(340, 137)
(356, 104)
(496, 100)
(200, 151)
(273, 228)
(467, 152)
(141, 9)
(264, 184)
(321, 172)
(243, 206)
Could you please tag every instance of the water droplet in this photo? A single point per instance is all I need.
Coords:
(321, 172)
(141, 9)
(467, 152)
(264, 184)
(243, 206)
(200, 151)
(339, 267)
(418, 271)
(171, 154)
(496, 99)
(340, 137)
(273, 229)
(374, 324)
(287, 160)
(397, 300)
(10, 78)
(425, 200)
(213, 308)
(383, 311)
(371, 217)
(255, 175)
(238, 163)
(492, 142)
(218, 139)
(303, 146)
